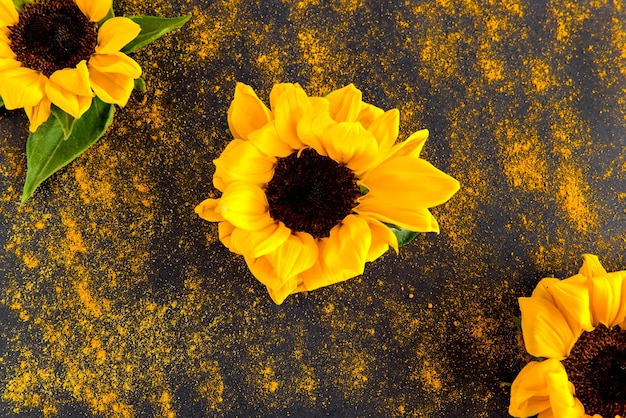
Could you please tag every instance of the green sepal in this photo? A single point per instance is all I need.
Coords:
(404, 236)
(153, 28)
(1, 103)
(539, 359)
(140, 85)
(66, 121)
(363, 190)
(47, 150)
(19, 4)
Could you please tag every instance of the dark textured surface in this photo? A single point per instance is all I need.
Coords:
(116, 300)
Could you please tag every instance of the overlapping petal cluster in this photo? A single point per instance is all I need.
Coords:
(402, 186)
(108, 73)
(553, 319)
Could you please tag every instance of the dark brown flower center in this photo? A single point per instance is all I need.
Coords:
(597, 368)
(311, 193)
(52, 35)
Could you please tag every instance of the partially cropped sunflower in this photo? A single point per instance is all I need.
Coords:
(309, 185)
(54, 52)
(577, 326)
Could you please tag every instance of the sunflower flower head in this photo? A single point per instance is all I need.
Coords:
(310, 185)
(56, 53)
(576, 328)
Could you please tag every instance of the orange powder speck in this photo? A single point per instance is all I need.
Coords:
(87, 300)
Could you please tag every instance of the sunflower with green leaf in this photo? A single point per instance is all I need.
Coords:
(575, 329)
(312, 188)
(68, 58)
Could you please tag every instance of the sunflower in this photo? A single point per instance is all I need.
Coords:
(576, 328)
(310, 184)
(55, 52)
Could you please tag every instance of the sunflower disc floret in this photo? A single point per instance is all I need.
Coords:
(309, 184)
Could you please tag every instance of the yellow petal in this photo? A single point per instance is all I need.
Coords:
(115, 33)
(277, 90)
(8, 13)
(382, 238)
(38, 114)
(292, 105)
(410, 147)
(545, 329)
(591, 266)
(368, 114)
(350, 144)
(267, 141)
(113, 88)
(571, 297)
(279, 294)
(398, 213)
(5, 46)
(410, 181)
(241, 160)
(529, 392)
(95, 10)
(207, 210)
(115, 62)
(245, 206)
(608, 299)
(345, 103)
(385, 130)
(261, 242)
(561, 392)
(312, 126)
(348, 245)
(22, 87)
(320, 274)
(246, 113)
(297, 254)
(66, 100)
(225, 231)
(73, 80)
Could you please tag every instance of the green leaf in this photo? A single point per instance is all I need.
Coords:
(404, 236)
(19, 4)
(47, 150)
(153, 28)
(65, 120)
(140, 85)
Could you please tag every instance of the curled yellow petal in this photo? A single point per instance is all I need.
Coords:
(246, 113)
(241, 160)
(540, 387)
(292, 105)
(207, 210)
(368, 114)
(245, 206)
(279, 294)
(350, 144)
(545, 329)
(382, 239)
(261, 242)
(385, 129)
(225, 231)
(38, 114)
(22, 87)
(95, 10)
(571, 298)
(115, 62)
(401, 214)
(115, 33)
(608, 299)
(70, 89)
(345, 103)
(591, 266)
(348, 245)
(113, 88)
(268, 142)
